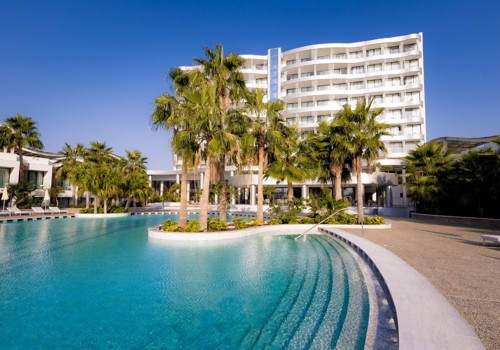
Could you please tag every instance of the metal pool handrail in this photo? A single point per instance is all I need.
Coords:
(322, 221)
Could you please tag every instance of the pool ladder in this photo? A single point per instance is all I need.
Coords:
(322, 221)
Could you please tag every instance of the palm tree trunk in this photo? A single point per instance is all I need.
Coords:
(359, 190)
(127, 204)
(73, 194)
(204, 197)
(87, 199)
(21, 170)
(290, 190)
(183, 208)
(260, 187)
(105, 205)
(338, 185)
(95, 205)
(222, 195)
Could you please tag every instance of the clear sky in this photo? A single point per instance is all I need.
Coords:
(89, 70)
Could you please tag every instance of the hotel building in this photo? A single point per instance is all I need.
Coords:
(315, 82)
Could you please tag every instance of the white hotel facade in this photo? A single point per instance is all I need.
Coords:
(315, 82)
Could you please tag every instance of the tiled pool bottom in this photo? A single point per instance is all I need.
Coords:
(102, 283)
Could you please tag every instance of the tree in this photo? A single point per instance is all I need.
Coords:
(423, 166)
(364, 134)
(19, 132)
(70, 166)
(223, 72)
(135, 181)
(268, 128)
(330, 150)
(171, 112)
(287, 163)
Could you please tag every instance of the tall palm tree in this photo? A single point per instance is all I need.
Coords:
(224, 73)
(134, 169)
(171, 113)
(19, 132)
(364, 133)
(330, 149)
(70, 166)
(287, 162)
(268, 128)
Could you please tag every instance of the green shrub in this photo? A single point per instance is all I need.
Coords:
(239, 223)
(342, 219)
(215, 224)
(115, 209)
(100, 210)
(258, 222)
(170, 226)
(192, 226)
(375, 220)
(275, 221)
(305, 220)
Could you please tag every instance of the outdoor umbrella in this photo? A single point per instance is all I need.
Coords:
(5, 196)
(46, 198)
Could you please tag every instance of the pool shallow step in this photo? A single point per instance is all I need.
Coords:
(259, 338)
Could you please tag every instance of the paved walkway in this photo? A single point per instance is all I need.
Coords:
(454, 260)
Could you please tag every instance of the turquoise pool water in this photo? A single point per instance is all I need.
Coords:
(83, 283)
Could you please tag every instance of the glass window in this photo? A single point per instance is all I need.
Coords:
(306, 89)
(357, 85)
(412, 112)
(340, 71)
(392, 65)
(411, 64)
(410, 47)
(274, 72)
(394, 81)
(357, 70)
(323, 118)
(323, 57)
(393, 98)
(374, 83)
(306, 74)
(291, 121)
(293, 76)
(307, 119)
(412, 130)
(340, 55)
(289, 62)
(394, 49)
(323, 87)
(4, 176)
(377, 98)
(375, 67)
(292, 106)
(35, 178)
(356, 54)
(342, 86)
(307, 104)
(412, 96)
(323, 103)
(373, 52)
(323, 72)
(291, 91)
(411, 80)
(306, 59)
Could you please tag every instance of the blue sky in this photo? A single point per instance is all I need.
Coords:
(89, 70)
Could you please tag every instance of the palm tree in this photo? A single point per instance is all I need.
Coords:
(19, 132)
(70, 166)
(172, 113)
(423, 166)
(224, 73)
(364, 133)
(331, 153)
(287, 162)
(268, 128)
(135, 179)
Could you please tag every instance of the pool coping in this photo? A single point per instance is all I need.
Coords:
(425, 319)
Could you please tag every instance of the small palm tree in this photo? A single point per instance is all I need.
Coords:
(135, 179)
(70, 166)
(364, 134)
(19, 132)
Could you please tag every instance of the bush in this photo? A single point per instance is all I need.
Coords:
(115, 209)
(192, 226)
(275, 221)
(239, 223)
(305, 220)
(100, 210)
(375, 220)
(342, 219)
(170, 226)
(216, 225)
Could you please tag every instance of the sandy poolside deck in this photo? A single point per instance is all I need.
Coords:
(454, 260)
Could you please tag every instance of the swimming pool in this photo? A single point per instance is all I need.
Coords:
(81, 283)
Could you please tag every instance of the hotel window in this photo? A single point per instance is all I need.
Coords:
(261, 81)
(323, 72)
(412, 96)
(411, 64)
(374, 83)
(307, 119)
(306, 89)
(35, 178)
(395, 147)
(410, 47)
(394, 81)
(307, 104)
(323, 103)
(342, 86)
(324, 57)
(356, 54)
(411, 80)
(395, 130)
(323, 87)
(340, 71)
(412, 112)
(4, 176)
(289, 62)
(393, 114)
(306, 59)
(291, 91)
(290, 106)
(376, 98)
(341, 101)
(358, 70)
(393, 98)
(340, 55)
(373, 52)
(375, 67)
(394, 49)
(410, 146)
(261, 67)
(357, 85)
(293, 76)
(323, 118)
(412, 130)
(306, 74)
(392, 65)
(291, 121)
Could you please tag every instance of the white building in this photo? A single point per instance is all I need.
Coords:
(315, 82)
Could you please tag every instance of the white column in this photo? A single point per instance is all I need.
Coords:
(405, 199)
(252, 195)
(202, 175)
(305, 192)
(162, 189)
(177, 179)
(239, 195)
